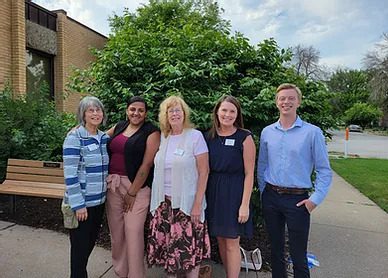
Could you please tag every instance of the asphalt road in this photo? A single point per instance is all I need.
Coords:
(362, 144)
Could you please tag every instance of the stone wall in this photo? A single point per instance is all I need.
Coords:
(41, 38)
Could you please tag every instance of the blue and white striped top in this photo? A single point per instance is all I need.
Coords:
(85, 165)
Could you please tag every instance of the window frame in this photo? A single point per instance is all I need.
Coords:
(51, 74)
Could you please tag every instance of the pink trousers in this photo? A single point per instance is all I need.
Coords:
(127, 228)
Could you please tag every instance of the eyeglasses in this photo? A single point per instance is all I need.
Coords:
(176, 110)
(91, 110)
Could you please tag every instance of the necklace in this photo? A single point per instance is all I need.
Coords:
(227, 132)
(227, 140)
(221, 139)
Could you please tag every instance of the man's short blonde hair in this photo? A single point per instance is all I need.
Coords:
(285, 86)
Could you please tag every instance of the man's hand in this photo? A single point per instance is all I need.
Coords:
(310, 206)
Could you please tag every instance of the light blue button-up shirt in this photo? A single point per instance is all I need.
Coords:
(288, 157)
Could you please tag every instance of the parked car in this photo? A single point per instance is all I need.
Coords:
(355, 128)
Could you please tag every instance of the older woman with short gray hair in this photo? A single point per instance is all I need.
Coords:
(85, 163)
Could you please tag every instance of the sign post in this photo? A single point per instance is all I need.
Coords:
(346, 142)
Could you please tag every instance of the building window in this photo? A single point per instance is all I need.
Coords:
(41, 16)
(39, 72)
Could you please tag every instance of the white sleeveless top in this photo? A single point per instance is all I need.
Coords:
(182, 169)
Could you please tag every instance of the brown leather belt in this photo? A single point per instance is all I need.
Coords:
(287, 190)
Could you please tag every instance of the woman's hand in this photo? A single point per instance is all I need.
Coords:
(249, 156)
(129, 201)
(81, 214)
(152, 146)
(202, 161)
(243, 214)
(195, 212)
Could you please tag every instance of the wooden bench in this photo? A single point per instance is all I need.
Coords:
(33, 178)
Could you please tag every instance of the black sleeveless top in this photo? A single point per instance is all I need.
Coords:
(134, 149)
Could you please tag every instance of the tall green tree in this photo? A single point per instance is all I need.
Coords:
(185, 47)
(377, 63)
(349, 87)
(363, 114)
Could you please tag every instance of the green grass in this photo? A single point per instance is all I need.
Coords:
(370, 176)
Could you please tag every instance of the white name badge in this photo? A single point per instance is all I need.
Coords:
(92, 147)
(229, 142)
(179, 152)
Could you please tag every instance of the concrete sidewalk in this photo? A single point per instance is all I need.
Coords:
(26, 252)
(349, 236)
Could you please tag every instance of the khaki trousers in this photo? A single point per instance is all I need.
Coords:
(127, 228)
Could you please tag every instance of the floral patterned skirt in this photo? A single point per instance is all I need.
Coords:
(174, 242)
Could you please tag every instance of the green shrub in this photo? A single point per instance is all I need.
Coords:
(184, 47)
(363, 114)
(31, 128)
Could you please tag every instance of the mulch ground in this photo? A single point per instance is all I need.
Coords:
(46, 214)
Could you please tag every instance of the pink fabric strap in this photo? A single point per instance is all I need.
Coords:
(119, 183)
(113, 181)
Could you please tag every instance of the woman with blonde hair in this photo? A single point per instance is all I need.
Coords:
(178, 239)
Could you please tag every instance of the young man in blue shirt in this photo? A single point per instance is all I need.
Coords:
(290, 150)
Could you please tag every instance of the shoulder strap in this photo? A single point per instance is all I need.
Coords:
(119, 128)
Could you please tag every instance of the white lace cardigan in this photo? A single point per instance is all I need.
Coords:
(184, 176)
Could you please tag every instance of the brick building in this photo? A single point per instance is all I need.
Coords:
(41, 46)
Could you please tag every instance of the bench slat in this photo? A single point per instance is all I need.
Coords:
(33, 178)
(35, 171)
(31, 191)
(34, 163)
(10, 183)
(36, 178)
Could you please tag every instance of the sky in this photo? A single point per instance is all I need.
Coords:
(342, 30)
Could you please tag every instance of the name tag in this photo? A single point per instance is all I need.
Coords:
(92, 147)
(179, 152)
(229, 142)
